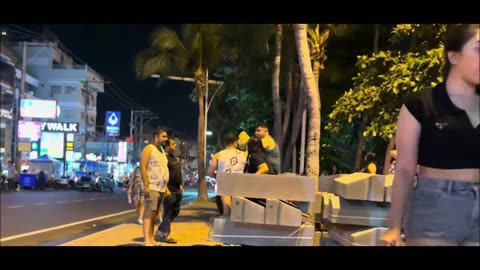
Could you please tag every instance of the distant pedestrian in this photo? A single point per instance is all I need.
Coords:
(136, 191)
(12, 175)
(42, 180)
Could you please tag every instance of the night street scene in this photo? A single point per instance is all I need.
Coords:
(240, 135)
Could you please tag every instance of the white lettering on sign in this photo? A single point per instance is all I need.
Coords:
(60, 127)
(5, 114)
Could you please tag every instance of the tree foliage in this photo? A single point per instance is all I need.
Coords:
(384, 78)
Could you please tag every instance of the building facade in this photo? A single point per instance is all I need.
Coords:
(75, 87)
(10, 82)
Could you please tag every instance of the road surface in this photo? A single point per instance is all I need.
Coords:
(33, 217)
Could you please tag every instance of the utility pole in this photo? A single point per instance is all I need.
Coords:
(16, 156)
(131, 122)
(136, 128)
(87, 101)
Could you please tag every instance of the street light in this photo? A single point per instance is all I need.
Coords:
(185, 79)
(207, 102)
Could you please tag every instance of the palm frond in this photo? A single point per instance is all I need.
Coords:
(166, 55)
(155, 61)
(167, 39)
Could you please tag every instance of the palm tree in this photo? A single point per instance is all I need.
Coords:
(277, 105)
(197, 51)
(313, 101)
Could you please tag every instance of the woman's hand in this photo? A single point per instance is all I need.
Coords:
(392, 237)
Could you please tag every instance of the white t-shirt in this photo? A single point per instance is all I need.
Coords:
(231, 160)
(157, 169)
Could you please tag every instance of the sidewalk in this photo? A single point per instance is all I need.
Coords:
(190, 228)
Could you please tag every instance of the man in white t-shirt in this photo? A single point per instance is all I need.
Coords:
(229, 160)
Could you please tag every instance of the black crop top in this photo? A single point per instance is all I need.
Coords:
(448, 140)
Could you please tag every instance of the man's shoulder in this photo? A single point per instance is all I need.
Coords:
(149, 147)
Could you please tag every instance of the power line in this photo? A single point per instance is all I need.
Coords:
(62, 46)
(119, 98)
(121, 91)
(119, 95)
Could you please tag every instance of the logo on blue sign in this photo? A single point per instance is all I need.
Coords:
(112, 124)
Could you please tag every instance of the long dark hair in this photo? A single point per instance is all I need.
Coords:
(455, 38)
(255, 146)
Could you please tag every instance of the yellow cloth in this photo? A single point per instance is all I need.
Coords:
(243, 140)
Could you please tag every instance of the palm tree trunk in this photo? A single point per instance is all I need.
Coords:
(316, 75)
(363, 126)
(388, 157)
(313, 144)
(241, 107)
(277, 109)
(288, 104)
(218, 129)
(202, 186)
(376, 37)
(296, 123)
(361, 141)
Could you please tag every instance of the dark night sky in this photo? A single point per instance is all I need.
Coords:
(110, 49)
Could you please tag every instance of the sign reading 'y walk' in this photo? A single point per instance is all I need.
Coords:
(112, 124)
(60, 127)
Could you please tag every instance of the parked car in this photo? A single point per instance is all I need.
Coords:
(95, 183)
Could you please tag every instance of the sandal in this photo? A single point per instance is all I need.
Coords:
(170, 240)
(155, 244)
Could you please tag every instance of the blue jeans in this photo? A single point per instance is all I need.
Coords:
(171, 209)
(443, 211)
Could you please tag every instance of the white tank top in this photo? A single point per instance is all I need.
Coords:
(231, 161)
(157, 169)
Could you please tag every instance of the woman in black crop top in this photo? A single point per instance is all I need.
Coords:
(439, 131)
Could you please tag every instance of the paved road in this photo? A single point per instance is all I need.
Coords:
(29, 211)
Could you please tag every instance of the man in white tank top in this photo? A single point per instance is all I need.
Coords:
(229, 160)
(154, 171)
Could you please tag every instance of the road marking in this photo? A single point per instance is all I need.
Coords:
(15, 206)
(61, 202)
(41, 203)
(63, 226)
(78, 200)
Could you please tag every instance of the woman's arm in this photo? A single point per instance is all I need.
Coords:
(407, 139)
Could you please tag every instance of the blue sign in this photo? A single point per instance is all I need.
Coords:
(112, 124)
(34, 146)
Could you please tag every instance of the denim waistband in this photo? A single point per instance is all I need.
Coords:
(450, 186)
(445, 185)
